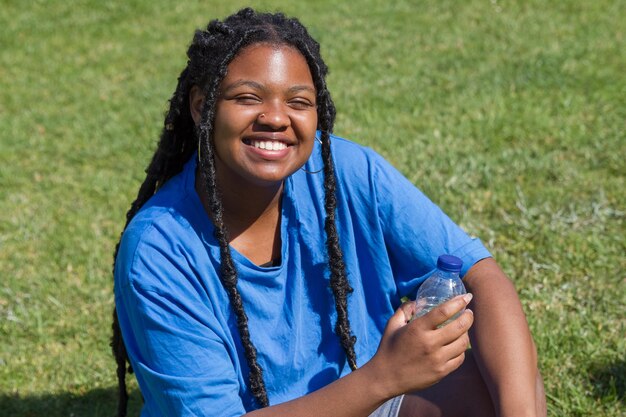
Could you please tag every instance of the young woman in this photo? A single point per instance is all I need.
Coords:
(264, 260)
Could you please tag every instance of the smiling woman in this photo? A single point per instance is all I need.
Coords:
(266, 117)
(223, 270)
(265, 126)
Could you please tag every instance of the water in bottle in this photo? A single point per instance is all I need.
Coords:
(442, 285)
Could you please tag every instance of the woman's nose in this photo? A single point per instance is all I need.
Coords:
(274, 118)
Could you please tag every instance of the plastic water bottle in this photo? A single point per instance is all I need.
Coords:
(442, 285)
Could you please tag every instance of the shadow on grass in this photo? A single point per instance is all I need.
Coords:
(101, 402)
(608, 381)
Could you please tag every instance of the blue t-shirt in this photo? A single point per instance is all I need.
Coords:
(175, 316)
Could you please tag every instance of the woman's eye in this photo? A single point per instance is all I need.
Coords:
(247, 99)
(301, 104)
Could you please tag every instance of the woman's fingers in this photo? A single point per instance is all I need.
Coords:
(457, 347)
(401, 317)
(408, 308)
(445, 311)
(449, 357)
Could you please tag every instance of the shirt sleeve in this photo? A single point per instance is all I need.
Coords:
(417, 231)
(182, 362)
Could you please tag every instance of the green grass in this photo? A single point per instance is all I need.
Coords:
(508, 114)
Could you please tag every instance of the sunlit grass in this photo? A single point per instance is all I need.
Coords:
(510, 115)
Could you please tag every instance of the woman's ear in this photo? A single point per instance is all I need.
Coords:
(196, 101)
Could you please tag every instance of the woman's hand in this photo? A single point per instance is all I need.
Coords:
(415, 355)
(411, 356)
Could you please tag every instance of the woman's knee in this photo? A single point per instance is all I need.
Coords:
(462, 393)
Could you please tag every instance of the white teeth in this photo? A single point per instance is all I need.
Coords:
(269, 145)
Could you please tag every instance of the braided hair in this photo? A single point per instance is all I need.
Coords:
(209, 55)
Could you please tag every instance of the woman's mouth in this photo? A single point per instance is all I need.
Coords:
(269, 145)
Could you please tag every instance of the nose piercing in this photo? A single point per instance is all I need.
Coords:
(262, 115)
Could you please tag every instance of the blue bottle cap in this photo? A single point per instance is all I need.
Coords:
(449, 263)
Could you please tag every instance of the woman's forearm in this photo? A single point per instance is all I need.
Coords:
(355, 395)
(501, 340)
(411, 356)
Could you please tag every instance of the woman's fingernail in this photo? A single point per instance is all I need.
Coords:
(468, 297)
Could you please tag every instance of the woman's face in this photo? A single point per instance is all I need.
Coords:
(266, 116)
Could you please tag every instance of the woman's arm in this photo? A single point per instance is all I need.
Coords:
(501, 341)
(411, 356)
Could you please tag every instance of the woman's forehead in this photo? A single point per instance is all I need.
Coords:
(268, 63)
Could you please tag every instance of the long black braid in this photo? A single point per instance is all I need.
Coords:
(208, 57)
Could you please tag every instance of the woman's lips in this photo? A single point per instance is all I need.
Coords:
(270, 145)
(266, 148)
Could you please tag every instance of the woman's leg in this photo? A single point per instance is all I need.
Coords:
(463, 393)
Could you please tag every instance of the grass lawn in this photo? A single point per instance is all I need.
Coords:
(508, 114)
